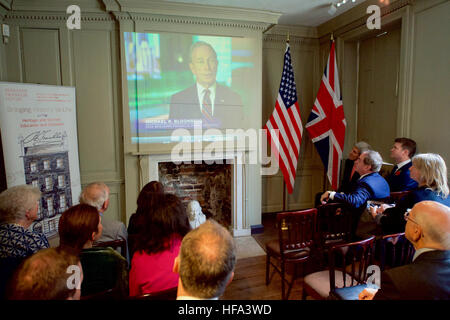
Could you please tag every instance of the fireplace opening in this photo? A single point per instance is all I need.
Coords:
(209, 184)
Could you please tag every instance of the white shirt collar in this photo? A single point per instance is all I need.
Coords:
(420, 251)
(401, 164)
(364, 175)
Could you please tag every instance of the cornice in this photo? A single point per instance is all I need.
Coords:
(55, 16)
(193, 20)
(184, 10)
(339, 26)
(293, 40)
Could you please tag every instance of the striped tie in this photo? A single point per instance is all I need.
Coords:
(206, 106)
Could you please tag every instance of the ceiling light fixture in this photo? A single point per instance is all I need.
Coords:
(332, 10)
(341, 2)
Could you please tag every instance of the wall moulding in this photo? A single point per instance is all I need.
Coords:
(191, 10)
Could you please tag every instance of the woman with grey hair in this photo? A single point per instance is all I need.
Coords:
(430, 172)
(18, 209)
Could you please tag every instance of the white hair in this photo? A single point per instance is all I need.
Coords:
(95, 194)
(16, 201)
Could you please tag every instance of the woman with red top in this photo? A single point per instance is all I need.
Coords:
(157, 245)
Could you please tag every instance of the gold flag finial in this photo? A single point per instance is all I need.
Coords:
(332, 37)
(287, 37)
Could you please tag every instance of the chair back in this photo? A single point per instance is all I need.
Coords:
(120, 243)
(109, 294)
(352, 259)
(296, 230)
(395, 250)
(334, 224)
(396, 196)
(168, 294)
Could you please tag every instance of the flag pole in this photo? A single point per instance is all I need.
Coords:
(284, 182)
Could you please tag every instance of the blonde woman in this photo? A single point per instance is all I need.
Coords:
(430, 172)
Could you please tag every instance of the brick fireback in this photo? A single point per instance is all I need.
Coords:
(209, 184)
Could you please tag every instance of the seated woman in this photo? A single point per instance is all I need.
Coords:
(150, 194)
(19, 207)
(157, 245)
(103, 268)
(430, 172)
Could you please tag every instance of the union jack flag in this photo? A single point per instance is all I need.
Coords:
(326, 123)
(285, 143)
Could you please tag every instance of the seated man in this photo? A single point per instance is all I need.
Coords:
(205, 262)
(428, 276)
(50, 274)
(370, 186)
(350, 176)
(96, 194)
(399, 179)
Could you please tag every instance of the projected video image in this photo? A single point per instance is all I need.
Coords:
(186, 81)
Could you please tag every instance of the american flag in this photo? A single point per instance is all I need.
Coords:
(285, 143)
(326, 123)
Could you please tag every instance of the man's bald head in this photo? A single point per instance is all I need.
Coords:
(434, 220)
(96, 194)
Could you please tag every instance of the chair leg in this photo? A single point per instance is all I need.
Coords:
(294, 276)
(282, 280)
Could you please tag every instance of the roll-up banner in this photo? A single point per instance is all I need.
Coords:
(40, 147)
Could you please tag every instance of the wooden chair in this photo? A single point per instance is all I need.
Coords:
(295, 240)
(169, 294)
(334, 226)
(396, 196)
(348, 268)
(395, 250)
(120, 243)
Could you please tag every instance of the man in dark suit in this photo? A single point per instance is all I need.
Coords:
(370, 186)
(428, 276)
(216, 105)
(402, 151)
(350, 176)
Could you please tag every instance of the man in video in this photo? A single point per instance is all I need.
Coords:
(216, 105)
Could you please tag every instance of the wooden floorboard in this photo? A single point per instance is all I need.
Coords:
(249, 282)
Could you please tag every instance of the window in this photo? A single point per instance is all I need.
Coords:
(62, 202)
(48, 183)
(33, 166)
(61, 181)
(50, 206)
(59, 163)
(46, 164)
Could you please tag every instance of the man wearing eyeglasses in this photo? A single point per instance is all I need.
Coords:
(428, 276)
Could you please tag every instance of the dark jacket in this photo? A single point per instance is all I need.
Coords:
(401, 180)
(426, 278)
(393, 220)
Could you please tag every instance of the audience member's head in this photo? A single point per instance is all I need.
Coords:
(49, 274)
(403, 149)
(429, 169)
(150, 195)
(206, 261)
(96, 194)
(368, 161)
(428, 226)
(357, 149)
(19, 204)
(166, 219)
(79, 227)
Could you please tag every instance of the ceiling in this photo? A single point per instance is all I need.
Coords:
(310, 13)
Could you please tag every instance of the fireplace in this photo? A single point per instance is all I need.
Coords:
(217, 183)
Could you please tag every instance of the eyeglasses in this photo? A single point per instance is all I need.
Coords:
(406, 215)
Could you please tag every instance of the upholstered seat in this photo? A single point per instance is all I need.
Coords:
(294, 254)
(320, 281)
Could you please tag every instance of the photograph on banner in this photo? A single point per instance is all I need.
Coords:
(39, 136)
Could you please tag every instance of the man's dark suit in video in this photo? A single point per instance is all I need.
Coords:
(206, 99)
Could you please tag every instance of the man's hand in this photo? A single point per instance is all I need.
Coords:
(367, 294)
(325, 196)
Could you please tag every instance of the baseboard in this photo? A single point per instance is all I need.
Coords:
(258, 228)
